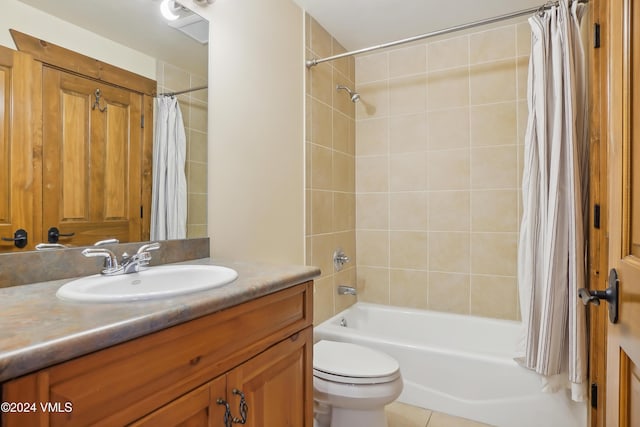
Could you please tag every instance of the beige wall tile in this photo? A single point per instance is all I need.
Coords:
(347, 241)
(321, 212)
(489, 295)
(372, 248)
(450, 53)
(196, 209)
(321, 168)
(448, 170)
(374, 100)
(372, 137)
(408, 95)
(408, 60)
(322, 299)
(321, 123)
(322, 248)
(408, 133)
(494, 210)
(175, 78)
(345, 277)
(342, 64)
(449, 211)
(372, 211)
(448, 128)
(197, 146)
(341, 132)
(320, 39)
(343, 172)
(448, 89)
(372, 174)
(408, 288)
(493, 82)
(199, 117)
(197, 177)
(373, 284)
(371, 68)
(322, 87)
(344, 211)
(449, 292)
(449, 252)
(494, 167)
(492, 45)
(523, 34)
(494, 124)
(522, 70)
(341, 98)
(494, 253)
(523, 117)
(196, 230)
(408, 211)
(408, 172)
(408, 249)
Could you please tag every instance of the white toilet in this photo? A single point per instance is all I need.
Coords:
(352, 384)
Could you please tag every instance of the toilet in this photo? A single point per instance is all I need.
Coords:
(352, 384)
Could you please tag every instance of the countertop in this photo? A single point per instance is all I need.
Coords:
(38, 330)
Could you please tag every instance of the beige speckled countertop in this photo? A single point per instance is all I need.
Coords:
(39, 330)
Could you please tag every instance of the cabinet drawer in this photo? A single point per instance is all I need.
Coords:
(122, 383)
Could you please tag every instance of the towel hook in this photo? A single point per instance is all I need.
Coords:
(98, 94)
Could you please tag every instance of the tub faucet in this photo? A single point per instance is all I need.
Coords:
(346, 290)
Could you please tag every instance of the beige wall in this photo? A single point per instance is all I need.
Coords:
(256, 134)
(194, 114)
(330, 168)
(31, 21)
(438, 145)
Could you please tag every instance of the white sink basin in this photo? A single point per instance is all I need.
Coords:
(156, 282)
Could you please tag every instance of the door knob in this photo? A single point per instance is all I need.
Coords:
(19, 238)
(54, 234)
(610, 295)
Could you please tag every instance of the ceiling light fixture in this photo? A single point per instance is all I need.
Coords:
(169, 9)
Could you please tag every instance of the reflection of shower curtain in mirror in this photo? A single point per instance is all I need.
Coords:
(169, 194)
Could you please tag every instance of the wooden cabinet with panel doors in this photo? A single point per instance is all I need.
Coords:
(251, 362)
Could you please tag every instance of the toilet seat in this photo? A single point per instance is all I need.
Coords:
(352, 364)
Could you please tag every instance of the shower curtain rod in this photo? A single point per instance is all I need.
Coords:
(182, 91)
(315, 61)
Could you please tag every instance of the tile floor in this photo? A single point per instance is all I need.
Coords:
(402, 415)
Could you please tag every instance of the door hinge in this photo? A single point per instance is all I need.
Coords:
(141, 211)
(594, 396)
(142, 121)
(596, 216)
(596, 35)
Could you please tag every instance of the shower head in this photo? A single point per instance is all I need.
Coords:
(355, 96)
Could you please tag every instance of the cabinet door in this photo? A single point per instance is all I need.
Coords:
(92, 159)
(197, 408)
(277, 384)
(19, 125)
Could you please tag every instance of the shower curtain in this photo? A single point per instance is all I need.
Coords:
(169, 191)
(551, 258)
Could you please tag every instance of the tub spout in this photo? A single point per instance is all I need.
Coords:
(346, 290)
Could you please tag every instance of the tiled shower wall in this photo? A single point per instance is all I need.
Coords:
(194, 112)
(330, 170)
(439, 135)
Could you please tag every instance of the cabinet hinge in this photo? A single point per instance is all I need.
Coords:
(142, 121)
(596, 35)
(141, 211)
(596, 216)
(594, 395)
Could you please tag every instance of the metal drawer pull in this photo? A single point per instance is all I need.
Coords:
(243, 408)
(227, 412)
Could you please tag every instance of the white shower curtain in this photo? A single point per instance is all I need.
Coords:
(551, 258)
(169, 193)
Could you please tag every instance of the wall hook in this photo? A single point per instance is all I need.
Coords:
(98, 94)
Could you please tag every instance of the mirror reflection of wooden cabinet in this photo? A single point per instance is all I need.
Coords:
(20, 115)
(78, 163)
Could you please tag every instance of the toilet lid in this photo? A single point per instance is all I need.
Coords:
(346, 362)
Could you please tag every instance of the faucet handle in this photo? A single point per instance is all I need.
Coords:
(110, 260)
(106, 242)
(148, 247)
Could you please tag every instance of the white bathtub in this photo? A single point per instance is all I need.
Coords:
(460, 365)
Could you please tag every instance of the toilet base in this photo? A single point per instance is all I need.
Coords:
(341, 417)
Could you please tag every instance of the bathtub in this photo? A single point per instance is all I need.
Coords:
(460, 365)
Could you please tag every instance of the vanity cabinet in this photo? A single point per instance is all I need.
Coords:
(260, 350)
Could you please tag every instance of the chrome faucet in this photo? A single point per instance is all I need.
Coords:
(128, 264)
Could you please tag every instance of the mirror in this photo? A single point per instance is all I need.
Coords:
(150, 47)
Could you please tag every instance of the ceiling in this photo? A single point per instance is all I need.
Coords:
(358, 24)
(137, 24)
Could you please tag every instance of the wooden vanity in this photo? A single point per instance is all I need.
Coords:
(258, 352)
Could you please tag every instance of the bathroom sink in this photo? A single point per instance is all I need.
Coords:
(156, 282)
